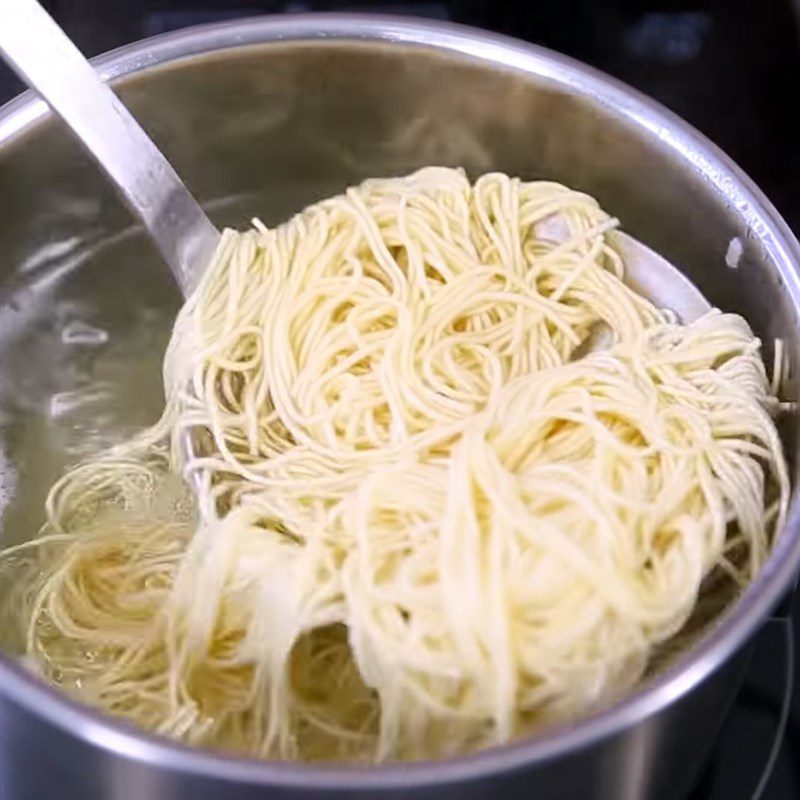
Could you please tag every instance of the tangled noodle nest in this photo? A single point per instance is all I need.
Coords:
(424, 523)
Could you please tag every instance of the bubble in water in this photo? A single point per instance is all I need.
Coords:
(81, 333)
(64, 403)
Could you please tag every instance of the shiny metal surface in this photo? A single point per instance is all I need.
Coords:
(32, 43)
(285, 111)
(652, 276)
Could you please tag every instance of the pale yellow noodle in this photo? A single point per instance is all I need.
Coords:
(422, 526)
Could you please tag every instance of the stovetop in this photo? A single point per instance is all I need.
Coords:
(732, 69)
(757, 755)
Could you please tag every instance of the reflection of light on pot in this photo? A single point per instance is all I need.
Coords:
(734, 253)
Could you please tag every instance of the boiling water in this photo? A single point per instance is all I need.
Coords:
(81, 348)
(84, 323)
(83, 328)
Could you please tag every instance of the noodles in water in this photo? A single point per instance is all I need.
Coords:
(422, 518)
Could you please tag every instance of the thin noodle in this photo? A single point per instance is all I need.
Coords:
(423, 524)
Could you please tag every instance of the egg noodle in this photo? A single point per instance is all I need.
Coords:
(420, 520)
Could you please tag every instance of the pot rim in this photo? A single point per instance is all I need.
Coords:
(704, 158)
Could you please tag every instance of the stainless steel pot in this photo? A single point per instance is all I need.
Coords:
(263, 116)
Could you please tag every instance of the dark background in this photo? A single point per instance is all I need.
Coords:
(731, 68)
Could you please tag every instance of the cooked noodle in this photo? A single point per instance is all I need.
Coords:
(423, 524)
